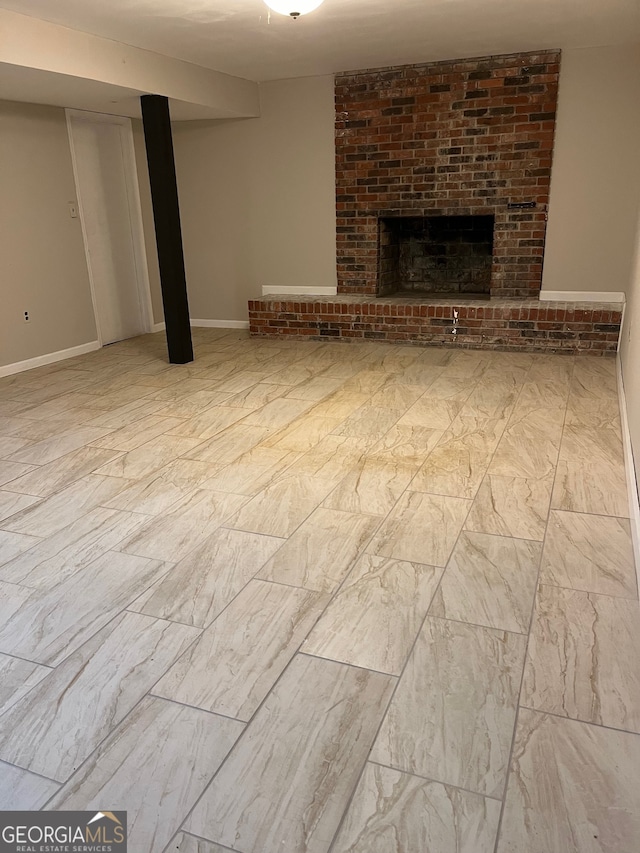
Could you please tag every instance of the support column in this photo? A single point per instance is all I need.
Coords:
(166, 215)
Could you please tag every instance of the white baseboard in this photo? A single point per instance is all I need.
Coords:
(271, 289)
(632, 483)
(49, 358)
(582, 296)
(622, 327)
(208, 324)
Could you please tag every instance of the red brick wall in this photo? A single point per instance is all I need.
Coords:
(532, 326)
(465, 137)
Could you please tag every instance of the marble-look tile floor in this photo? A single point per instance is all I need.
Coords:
(319, 598)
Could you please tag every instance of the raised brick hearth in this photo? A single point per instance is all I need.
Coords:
(506, 324)
(463, 138)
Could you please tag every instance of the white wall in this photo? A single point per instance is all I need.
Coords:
(42, 260)
(257, 198)
(595, 181)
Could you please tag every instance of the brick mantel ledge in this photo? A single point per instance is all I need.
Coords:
(531, 325)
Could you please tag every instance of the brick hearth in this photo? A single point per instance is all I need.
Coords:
(530, 325)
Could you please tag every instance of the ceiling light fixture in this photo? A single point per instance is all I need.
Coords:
(293, 8)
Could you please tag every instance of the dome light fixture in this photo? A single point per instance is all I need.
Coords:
(293, 8)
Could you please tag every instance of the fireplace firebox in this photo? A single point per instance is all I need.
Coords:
(440, 255)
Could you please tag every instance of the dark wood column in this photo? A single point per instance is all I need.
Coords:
(166, 215)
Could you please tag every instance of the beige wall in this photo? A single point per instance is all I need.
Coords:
(593, 242)
(257, 196)
(42, 261)
(595, 201)
(257, 199)
(257, 202)
(630, 349)
(596, 171)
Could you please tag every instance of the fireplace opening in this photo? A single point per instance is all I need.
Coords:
(438, 255)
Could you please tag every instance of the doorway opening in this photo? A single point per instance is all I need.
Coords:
(109, 204)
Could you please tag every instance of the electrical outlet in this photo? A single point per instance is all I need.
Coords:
(27, 317)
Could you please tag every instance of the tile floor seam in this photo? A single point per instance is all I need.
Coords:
(362, 552)
(169, 848)
(346, 663)
(185, 499)
(595, 514)
(587, 591)
(526, 650)
(581, 722)
(486, 473)
(188, 705)
(15, 583)
(121, 725)
(383, 718)
(372, 362)
(213, 621)
(281, 583)
(34, 466)
(132, 511)
(32, 772)
(502, 536)
(174, 565)
(273, 536)
(123, 609)
(477, 624)
(295, 652)
(435, 781)
(3, 487)
(424, 621)
(111, 549)
(180, 827)
(127, 609)
(260, 705)
(26, 660)
(273, 687)
(241, 530)
(61, 662)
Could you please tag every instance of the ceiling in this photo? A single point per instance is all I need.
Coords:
(33, 86)
(240, 37)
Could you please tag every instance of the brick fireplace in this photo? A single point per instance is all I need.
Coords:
(442, 186)
(467, 138)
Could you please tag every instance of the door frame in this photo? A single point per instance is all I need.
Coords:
(134, 208)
